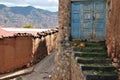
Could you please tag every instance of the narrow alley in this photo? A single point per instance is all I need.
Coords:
(41, 71)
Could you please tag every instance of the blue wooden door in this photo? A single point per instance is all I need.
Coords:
(88, 19)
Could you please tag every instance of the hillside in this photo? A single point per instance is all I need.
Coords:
(20, 16)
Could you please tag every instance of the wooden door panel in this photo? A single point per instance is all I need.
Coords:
(75, 20)
(88, 19)
(99, 24)
(99, 15)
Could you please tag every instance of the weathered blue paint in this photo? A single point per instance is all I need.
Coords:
(88, 19)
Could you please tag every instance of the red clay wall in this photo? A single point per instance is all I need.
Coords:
(113, 30)
(14, 53)
(1, 54)
(19, 51)
(23, 50)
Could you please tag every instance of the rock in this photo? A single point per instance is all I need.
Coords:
(49, 76)
(67, 44)
(66, 39)
(115, 60)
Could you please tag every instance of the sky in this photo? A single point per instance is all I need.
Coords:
(51, 5)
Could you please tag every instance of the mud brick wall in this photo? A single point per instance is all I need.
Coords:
(40, 49)
(48, 43)
(113, 30)
(15, 52)
(24, 50)
(42, 46)
(54, 40)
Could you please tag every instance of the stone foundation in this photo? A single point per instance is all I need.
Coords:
(66, 67)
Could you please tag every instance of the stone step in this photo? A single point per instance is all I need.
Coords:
(95, 44)
(88, 43)
(98, 67)
(92, 58)
(99, 75)
(92, 61)
(87, 57)
(90, 54)
(88, 49)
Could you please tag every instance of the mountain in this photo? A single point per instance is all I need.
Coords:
(2, 6)
(20, 16)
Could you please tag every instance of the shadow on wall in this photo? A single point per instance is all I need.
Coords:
(40, 52)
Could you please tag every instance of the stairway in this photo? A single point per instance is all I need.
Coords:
(93, 60)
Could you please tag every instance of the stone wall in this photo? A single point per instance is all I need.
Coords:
(113, 30)
(66, 67)
(63, 58)
(64, 19)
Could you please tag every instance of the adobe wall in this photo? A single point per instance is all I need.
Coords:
(113, 30)
(51, 43)
(14, 53)
(40, 49)
(1, 53)
(48, 43)
(44, 46)
(24, 50)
